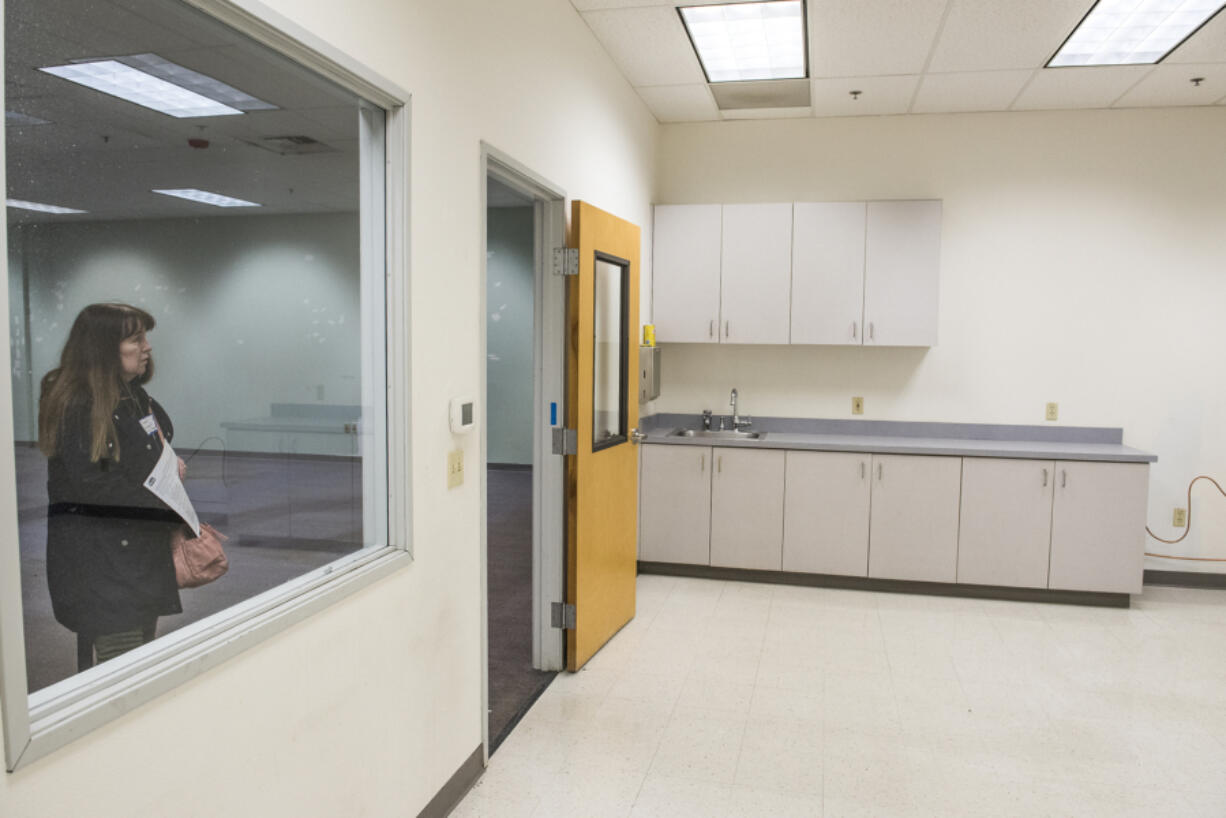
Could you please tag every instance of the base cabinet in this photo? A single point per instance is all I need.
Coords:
(914, 520)
(1098, 526)
(747, 509)
(825, 513)
(1005, 533)
(675, 504)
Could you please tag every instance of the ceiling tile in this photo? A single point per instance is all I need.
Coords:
(767, 113)
(680, 103)
(1170, 84)
(879, 96)
(972, 91)
(859, 38)
(649, 45)
(987, 35)
(1205, 46)
(1096, 87)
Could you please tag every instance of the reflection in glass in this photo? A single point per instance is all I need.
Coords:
(263, 322)
(609, 353)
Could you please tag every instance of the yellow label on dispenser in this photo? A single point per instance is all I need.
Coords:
(649, 335)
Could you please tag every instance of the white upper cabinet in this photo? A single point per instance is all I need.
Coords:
(686, 273)
(757, 271)
(902, 264)
(828, 272)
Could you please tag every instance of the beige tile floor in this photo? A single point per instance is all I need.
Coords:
(731, 700)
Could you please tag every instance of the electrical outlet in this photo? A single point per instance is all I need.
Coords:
(455, 468)
(1053, 411)
(857, 406)
(1180, 518)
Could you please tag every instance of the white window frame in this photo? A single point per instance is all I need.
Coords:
(37, 725)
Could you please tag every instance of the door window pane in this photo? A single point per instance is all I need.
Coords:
(609, 352)
(212, 190)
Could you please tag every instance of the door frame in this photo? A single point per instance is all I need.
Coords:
(549, 387)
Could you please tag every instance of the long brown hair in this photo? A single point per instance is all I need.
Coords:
(90, 375)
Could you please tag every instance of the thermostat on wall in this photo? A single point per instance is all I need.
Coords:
(463, 415)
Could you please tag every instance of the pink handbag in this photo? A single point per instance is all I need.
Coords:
(199, 560)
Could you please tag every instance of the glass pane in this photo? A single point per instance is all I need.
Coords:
(609, 354)
(255, 294)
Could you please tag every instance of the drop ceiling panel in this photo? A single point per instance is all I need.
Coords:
(879, 96)
(861, 38)
(649, 45)
(1205, 46)
(971, 91)
(680, 103)
(987, 35)
(1097, 87)
(1169, 85)
(767, 113)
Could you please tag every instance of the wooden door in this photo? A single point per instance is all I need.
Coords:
(828, 273)
(757, 273)
(602, 406)
(747, 509)
(685, 273)
(914, 520)
(1005, 533)
(675, 509)
(902, 264)
(1098, 526)
(825, 513)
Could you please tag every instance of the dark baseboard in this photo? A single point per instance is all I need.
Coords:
(1185, 579)
(510, 466)
(456, 788)
(1106, 600)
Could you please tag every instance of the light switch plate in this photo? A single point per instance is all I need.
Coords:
(1053, 411)
(455, 468)
(857, 406)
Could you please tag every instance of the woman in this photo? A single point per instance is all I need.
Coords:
(109, 566)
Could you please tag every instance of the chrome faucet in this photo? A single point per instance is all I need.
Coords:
(737, 421)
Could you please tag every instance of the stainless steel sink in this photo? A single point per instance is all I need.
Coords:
(718, 434)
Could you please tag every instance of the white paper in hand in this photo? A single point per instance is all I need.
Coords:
(165, 484)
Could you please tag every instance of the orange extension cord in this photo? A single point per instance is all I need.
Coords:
(1189, 528)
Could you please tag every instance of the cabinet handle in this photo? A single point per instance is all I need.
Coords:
(880, 471)
(861, 469)
(1044, 478)
(870, 331)
(720, 464)
(1063, 478)
(726, 329)
(711, 329)
(702, 462)
(853, 330)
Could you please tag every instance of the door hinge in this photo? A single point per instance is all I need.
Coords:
(562, 615)
(565, 441)
(566, 261)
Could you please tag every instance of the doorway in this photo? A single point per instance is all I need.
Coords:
(522, 481)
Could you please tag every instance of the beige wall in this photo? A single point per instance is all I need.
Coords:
(369, 707)
(1082, 262)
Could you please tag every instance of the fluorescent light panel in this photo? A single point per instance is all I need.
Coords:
(1132, 32)
(748, 41)
(202, 84)
(41, 208)
(123, 81)
(205, 197)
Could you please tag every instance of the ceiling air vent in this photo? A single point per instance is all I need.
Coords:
(291, 145)
(763, 94)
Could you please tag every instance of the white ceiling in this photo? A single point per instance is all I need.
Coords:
(912, 57)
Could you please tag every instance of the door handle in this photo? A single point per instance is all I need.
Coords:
(636, 436)
(1044, 478)
(880, 471)
(861, 469)
(853, 330)
(1063, 478)
(870, 331)
(726, 329)
(719, 464)
(711, 329)
(702, 463)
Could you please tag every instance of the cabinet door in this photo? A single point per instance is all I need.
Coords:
(1005, 534)
(828, 273)
(757, 272)
(747, 509)
(914, 519)
(675, 504)
(685, 273)
(825, 513)
(1098, 526)
(902, 263)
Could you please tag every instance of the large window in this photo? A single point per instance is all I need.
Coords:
(181, 194)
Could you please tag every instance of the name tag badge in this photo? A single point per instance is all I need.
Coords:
(149, 424)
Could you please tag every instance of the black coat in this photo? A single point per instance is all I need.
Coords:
(109, 567)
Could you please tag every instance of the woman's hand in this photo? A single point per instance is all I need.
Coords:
(182, 468)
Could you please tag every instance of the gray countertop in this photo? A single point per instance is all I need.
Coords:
(890, 437)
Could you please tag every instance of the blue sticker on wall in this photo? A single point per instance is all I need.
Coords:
(553, 413)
